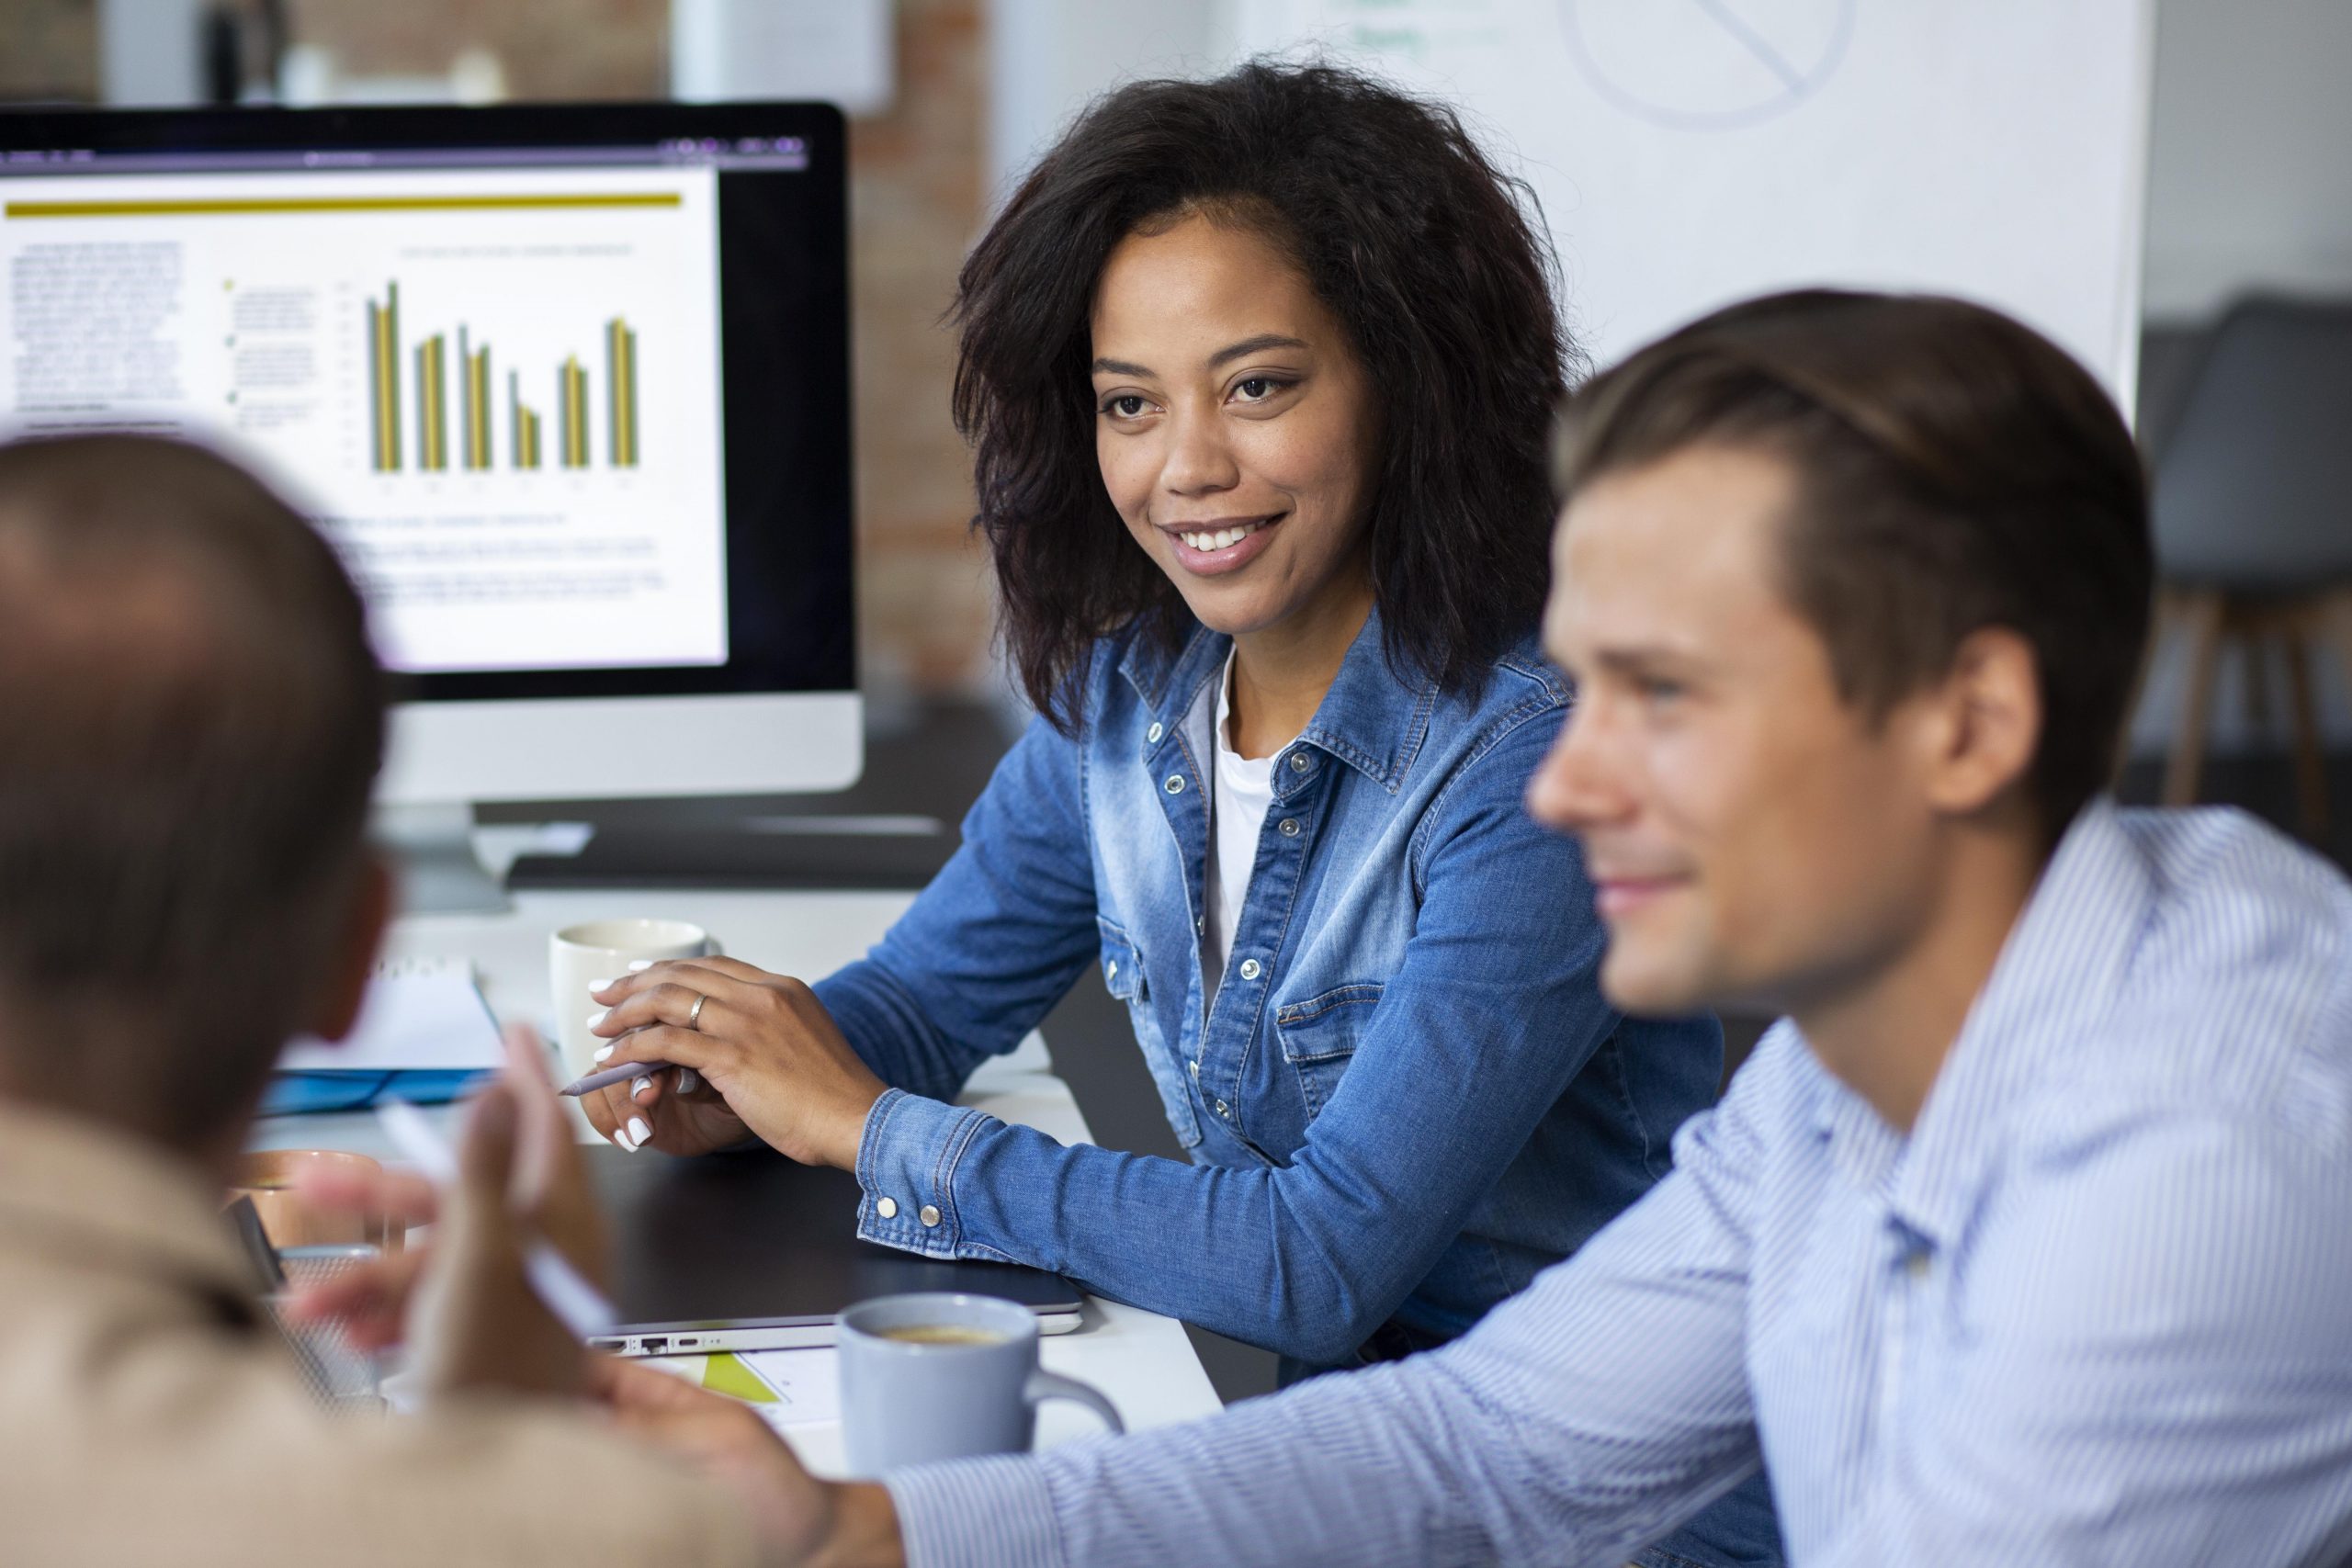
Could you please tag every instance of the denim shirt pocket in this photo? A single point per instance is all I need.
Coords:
(1318, 1037)
(1123, 974)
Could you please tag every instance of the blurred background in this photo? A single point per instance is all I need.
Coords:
(2249, 190)
(2243, 374)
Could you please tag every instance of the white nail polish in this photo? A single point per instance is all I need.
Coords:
(597, 1017)
(640, 963)
(620, 1136)
(603, 1054)
(688, 1080)
(639, 1130)
(598, 984)
(640, 1087)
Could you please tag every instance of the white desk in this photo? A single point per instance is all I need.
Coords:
(1141, 1360)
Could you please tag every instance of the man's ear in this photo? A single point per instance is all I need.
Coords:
(353, 958)
(1989, 707)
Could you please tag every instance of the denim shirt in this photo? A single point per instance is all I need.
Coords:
(1408, 1097)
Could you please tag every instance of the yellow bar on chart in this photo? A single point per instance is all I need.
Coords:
(620, 376)
(476, 364)
(384, 379)
(572, 388)
(433, 405)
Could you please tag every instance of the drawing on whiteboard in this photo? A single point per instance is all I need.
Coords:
(1707, 64)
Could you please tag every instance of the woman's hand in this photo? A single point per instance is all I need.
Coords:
(770, 1059)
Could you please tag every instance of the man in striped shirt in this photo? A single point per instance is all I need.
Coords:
(2026, 1237)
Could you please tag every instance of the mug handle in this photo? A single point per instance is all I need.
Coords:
(1044, 1385)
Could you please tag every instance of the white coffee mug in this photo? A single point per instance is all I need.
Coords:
(603, 949)
(938, 1374)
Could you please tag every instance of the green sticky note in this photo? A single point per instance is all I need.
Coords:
(723, 1373)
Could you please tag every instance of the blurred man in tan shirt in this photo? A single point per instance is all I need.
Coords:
(190, 725)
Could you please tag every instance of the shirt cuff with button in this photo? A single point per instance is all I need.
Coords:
(906, 1162)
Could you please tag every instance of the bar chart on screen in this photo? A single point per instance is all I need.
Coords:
(478, 411)
(497, 394)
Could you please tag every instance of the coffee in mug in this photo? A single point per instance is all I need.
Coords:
(941, 1334)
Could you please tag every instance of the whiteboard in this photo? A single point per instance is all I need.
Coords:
(1691, 152)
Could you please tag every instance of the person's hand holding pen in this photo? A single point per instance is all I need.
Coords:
(466, 1303)
(770, 1061)
(529, 1141)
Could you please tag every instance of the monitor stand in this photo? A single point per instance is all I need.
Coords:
(433, 859)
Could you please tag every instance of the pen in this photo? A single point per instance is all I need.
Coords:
(615, 1073)
(577, 1305)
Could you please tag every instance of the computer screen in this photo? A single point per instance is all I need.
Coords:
(567, 386)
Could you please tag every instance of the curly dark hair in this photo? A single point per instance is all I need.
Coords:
(1424, 251)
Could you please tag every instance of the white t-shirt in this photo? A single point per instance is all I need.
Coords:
(1241, 790)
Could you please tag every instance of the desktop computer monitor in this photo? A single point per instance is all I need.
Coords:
(568, 388)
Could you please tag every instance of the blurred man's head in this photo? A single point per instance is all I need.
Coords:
(190, 726)
(1852, 587)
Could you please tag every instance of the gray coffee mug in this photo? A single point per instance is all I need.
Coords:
(906, 1402)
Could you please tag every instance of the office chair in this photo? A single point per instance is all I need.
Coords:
(2252, 512)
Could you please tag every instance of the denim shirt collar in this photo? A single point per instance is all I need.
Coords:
(2062, 966)
(1372, 718)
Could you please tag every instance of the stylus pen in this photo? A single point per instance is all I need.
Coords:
(577, 1305)
(613, 1075)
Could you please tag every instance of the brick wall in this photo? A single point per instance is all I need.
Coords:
(49, 48)
(915, 202)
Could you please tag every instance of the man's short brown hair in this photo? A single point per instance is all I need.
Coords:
(1955, 470)
(190, 726)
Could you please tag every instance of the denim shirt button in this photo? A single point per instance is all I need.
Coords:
(928, 1214)
(1221, 1110)
(1289, 826)
(1196, 1068)
(1175, 785)
(1249, 969)
(886, 1207)
(1153, 733)
(1298, 763)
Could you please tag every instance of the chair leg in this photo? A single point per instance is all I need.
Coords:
(2201, 617)
(2310, 770)
(2254, 649)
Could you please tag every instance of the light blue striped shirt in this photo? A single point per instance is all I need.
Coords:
(2096, 1309)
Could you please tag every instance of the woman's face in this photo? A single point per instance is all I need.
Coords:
(1234, 426)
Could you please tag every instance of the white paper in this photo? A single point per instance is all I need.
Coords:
(1692, 153)
(806, 1383)
(421, 1014)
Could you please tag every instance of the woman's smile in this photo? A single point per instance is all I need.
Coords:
(1221, 544)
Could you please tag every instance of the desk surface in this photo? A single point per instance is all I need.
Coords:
(1142, 1360)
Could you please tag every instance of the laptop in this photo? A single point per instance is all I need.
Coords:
(751, 1251)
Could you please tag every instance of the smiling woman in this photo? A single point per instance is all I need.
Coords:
(1259, 374)
(1236, 436)
(1407, 269)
